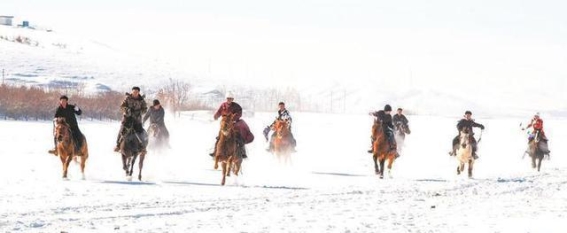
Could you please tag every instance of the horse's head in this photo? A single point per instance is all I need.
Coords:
(464, 137)
(62, 129)
(281, 127)
(227, 125)
(377, 129)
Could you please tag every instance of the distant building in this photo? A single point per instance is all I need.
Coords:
(6, 20)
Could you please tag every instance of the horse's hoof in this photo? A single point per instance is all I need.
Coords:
(129, 178)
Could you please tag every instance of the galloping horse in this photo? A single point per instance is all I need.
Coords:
(130, 148)
(66, 146)
(381, 149)
(157, 140)
(282, 141)
(227, 148)
(535, 151)
(464, 152)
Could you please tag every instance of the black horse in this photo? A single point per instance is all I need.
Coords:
(133, 145)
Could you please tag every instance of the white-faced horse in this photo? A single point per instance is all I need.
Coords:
(465, 152)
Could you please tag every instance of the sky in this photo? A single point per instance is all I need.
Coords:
(397, 44)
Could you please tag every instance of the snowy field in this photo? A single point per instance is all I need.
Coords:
(330, 187)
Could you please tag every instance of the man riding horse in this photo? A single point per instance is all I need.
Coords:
(466, 123)
(283, 114)
(156, 115)
(400, 120)
(133, 107)
(538, 134)
(386, 119)
(68, 112)
(231, 107)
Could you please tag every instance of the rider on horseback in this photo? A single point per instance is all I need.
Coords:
(133, 106)
(156, 115)
(400, 120)
(466, 123)
(245, 135)
(283, 114)
(538, 133)
(386, 119)
(68, 112)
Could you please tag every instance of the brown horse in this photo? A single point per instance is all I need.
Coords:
(227, 148)
(464, 152)
(66, 146)
(381, 149)
(535, 152)
(282, 141)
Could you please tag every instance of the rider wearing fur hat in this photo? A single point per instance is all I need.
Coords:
(68, 111)
(386, 118)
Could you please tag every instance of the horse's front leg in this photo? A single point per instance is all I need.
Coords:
(132, 162)
(375, 158)
(533, 161)
(125, 163)
(140, 166)
(539, 163)
(66, 165)
(471, 165)
(382, 160)
(223, 165)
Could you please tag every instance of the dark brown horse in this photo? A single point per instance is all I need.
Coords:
(282, 141)
(66, 146)
(227, 148)
(535, 152)
(130, 148)
(381, 149)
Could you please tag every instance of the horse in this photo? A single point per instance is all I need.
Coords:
(535, 151)
(400, 132)
(66, 147)
(282, 141)
(227, 151)
(130, 148)
(381, 149)
(157, 140)
(464, 152)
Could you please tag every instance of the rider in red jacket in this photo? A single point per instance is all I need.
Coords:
(538, 134)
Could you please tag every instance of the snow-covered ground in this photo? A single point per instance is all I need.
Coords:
(330, 187)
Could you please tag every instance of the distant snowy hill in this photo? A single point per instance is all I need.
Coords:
(52, 59)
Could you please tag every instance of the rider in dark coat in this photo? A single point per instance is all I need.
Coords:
(399, 119)
(156, 115)
(466, 123)
(68, 112)
(386, 118)
(133, 105)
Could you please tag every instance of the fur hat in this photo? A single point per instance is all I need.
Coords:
(63, 97)
(468, 112)
(136, 88)
(387, 108)
(229, 94)
(156, 102)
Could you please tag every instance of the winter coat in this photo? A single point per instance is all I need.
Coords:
(244, 131)
(469, 124)
(68, 112)
(134, 107)
(537, 124)
(227, 108)
(400, 119)
(386, 120)
(155, 115)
